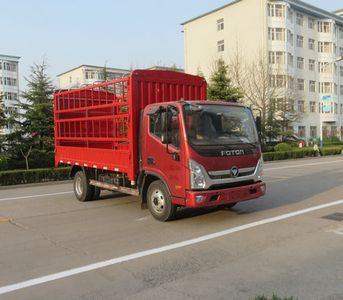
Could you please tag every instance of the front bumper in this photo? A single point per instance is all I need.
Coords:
(225, 196)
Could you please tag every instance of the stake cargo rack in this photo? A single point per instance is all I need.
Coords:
(98, 126)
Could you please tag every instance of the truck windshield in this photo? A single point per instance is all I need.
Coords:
(216, 125)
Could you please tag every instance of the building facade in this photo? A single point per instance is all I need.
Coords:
(9, 82)
(87, 74)
(303, 43)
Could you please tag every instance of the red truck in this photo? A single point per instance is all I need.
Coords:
(154, 135)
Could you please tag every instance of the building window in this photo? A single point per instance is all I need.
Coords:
(311, 23)
(313, 131)
(341, 71)
(10, 67)
(8, 81)
(324, 27)
(300, 41)
(290, 59)
(278, 81)
(312, 86)
(220, 24)
(311, 65)
(311, 44)
(220, 46)
(325, 87)
(340, 32)
(276, 10)
(301, 131)
(290, 15)
(341, 109)
(340, 51)
(341, 89)
(300, 19)
(300, 85)
(324, 67)
(312, 106)
(276, 34)
(301, 106)
(324, 47)
(91, 75)
(335, 88)
(277, 57)
(290, 37)
(300, 63)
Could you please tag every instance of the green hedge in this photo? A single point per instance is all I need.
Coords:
(300, 153)
(330, 150)
(33, 176)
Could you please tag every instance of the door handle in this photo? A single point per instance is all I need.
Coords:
(151, 160)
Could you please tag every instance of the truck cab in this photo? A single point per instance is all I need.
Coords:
(203, 154)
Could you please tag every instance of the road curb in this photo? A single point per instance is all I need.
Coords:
(24, 185)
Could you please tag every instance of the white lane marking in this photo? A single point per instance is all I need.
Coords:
(338, 230)
(144, 218)
(121, 259)
(35, 196)
(304, 165)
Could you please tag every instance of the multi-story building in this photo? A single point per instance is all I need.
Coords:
(9, 82)
(305, 42)
(86, 75)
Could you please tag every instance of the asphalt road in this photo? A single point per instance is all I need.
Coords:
(289, 242)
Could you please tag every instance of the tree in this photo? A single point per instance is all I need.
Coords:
(220, 87)
(266, 91)
(39, 116)
(3, 121)
(2, 112)
(32, 119)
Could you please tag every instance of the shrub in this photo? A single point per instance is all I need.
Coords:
(298, 153)
(330, 150)
(282, 147)
(274, 297)
(3, 162)
(33, 176)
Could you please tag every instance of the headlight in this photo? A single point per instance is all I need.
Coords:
(260, 169)
(197, 176)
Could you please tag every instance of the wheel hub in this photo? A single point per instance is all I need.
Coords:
(158, 201)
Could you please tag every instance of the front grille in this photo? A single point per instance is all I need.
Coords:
(228, 175)
(231, 185)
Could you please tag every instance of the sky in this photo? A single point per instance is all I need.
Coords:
(122, 34)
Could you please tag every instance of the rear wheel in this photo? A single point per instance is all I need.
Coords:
(82, 189)
(158, 200)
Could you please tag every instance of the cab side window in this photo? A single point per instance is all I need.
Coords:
(158, 124)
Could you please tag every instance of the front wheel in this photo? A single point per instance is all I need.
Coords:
(82, 189)
(159, 204)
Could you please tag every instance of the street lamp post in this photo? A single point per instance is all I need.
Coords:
(338, 59)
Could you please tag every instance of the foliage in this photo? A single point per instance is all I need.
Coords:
(32, 119)
(2, 112)
(220, 86)
(301, 153)
(330, 150)
(39, 107)
(3, 162)
(270, 98)
(292, 154)
(282, 147)
(333, 140)
(274, 297)
(33, 176)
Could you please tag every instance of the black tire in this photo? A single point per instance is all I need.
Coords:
(82, 189)
(97, 192)
(159, 204)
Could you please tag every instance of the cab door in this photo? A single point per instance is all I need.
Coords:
(162, 147)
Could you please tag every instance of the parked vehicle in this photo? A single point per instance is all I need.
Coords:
(154, 135)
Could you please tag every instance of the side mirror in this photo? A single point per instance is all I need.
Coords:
(258, 125)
